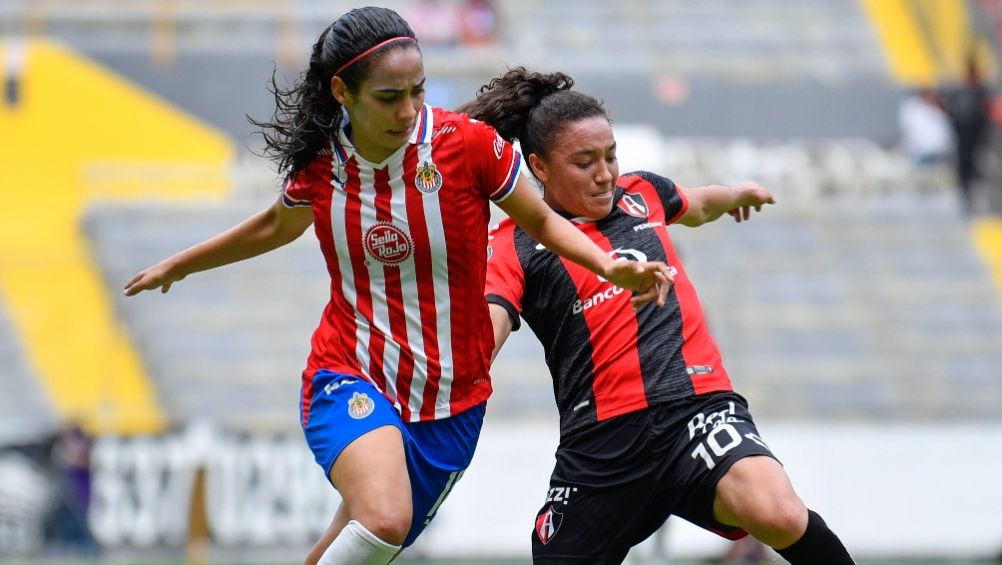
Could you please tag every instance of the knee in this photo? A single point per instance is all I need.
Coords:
(788, 516)
(389, 524)
(779, 522)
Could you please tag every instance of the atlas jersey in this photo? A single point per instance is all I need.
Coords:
(606, 359)
(404, 241)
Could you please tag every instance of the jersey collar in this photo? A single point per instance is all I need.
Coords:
(343, 150)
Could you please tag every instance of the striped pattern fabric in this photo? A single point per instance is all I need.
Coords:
(405, 243)
(605, 358)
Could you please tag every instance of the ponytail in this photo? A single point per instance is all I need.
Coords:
(531, 107)
(307, 116)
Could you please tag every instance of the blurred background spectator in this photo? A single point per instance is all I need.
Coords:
(478, 23)
(968, 106)
(926, 133)
(435, 22)
(67, 529)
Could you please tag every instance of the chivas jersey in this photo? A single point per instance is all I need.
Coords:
(404, 241)
(606, 359)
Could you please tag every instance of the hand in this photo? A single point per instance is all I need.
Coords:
(160, 275)
(753, 195)
(658, 292)
(651, 279)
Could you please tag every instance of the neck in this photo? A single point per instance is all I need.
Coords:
(367, 151)
(373, 155)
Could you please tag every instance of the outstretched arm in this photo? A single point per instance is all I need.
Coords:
(527, 209)
(268, 229)
(707, 203)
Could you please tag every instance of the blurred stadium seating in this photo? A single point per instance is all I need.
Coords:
(23, 408)
(228, 348)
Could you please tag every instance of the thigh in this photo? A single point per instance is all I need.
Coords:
(717, 435)
(754, 490)
(593, 525)
(357, 437)
(438, 453)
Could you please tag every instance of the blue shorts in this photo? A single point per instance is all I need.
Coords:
(344, 407)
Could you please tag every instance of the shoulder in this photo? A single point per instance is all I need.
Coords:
(636, 179)
(452, 120)
(454, 126)
(318, 170)
(463, 123)
(443, 116)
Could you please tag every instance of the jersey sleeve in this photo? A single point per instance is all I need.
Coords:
(298, 191)
(505, 278)
(672, 200)
(493, 162)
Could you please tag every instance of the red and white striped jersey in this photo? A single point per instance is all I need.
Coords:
(405, 242)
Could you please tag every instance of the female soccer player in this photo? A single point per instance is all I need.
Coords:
(649, 423)
(394, 391)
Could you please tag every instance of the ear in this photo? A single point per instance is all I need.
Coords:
(538, 167)
(340, 91)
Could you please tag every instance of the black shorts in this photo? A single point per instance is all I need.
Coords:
(615, 483)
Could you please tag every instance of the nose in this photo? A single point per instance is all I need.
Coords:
(408, 109)
(604, 173)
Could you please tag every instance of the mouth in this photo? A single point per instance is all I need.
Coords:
(403, 132)
(602, 195)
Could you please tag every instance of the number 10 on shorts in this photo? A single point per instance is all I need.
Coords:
(721, 439)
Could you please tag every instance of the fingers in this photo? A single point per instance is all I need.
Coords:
(144, 281)
(663, 286)
(669, 281)
(658, 292)
(129, 288)
(135, 286)
(650, 295)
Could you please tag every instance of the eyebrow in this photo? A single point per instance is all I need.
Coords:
(589, 151)
(391, 90)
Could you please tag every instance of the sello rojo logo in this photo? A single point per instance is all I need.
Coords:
(388, 244)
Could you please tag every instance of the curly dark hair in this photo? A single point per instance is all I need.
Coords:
(307, 114)
(532, 107)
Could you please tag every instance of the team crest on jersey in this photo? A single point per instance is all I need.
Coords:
(387, 243)
(360, 405)
(498, 146)
(428, 180)
(547, 524)
(634, 204)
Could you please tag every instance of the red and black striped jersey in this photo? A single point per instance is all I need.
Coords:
(605, 358)
(405, 243)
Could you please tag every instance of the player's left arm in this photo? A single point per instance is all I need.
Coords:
(707, 203)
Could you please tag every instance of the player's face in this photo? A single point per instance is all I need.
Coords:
(384, 111)
(580, 171)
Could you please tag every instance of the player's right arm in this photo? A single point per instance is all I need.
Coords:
(269, 229)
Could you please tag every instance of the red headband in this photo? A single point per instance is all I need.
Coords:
(369, 51)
